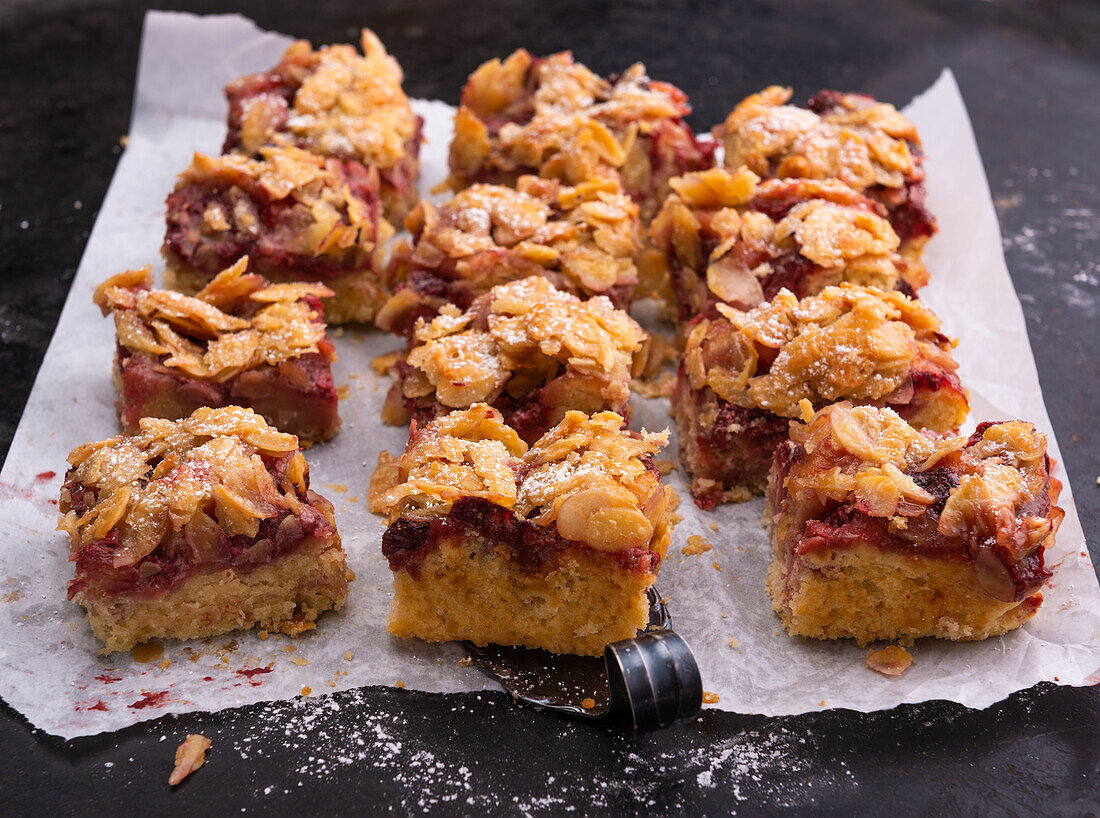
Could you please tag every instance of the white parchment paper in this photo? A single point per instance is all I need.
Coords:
(50, 669)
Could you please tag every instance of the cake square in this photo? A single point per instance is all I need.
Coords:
(295, 215)
(725, 236)
(198, 527)
(238, 341)
(853, 138)
(582, 238)
(525, 348)
(552, 546)
(334, 102)
(745, 375)
(880, 531)
(552, 117)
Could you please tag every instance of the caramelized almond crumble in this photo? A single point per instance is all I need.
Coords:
(583, 239)
(865, 144)
(333, 102)
(206, 336)
(744, 373)
(527, 348)
(166, 516)
(942, 536)
(587, 475)
(550, 546)
(297, 216)
(553, 117)
(239, 340)
(725, 236)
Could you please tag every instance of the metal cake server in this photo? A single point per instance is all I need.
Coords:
(647, 682)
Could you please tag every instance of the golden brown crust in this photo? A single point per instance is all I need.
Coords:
(284, 597)
(729, 237)
(467, 589)
(519, 336)
(206, 336)
(846, 343)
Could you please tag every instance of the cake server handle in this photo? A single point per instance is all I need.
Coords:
(653, 680)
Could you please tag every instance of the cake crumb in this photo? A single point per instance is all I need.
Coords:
(465, 661)
(710, 698)
(385, 477)
(717, 567)
(307, 690)
(725, 614)
(299, 660)
(714, 526)
(263, 636)
(734, 643)
(696, 545)
(289, 648)
(190, 755)
(664, 466)
(164, 665)
(384, 363)
(660, 387)
(348, 656)
(588, 703)
(340, 487)
(890, 661)
(399, 684)
(343, 392)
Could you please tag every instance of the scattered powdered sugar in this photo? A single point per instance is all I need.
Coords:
(292, 744)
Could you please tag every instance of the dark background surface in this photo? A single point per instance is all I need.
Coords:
(1030, 73)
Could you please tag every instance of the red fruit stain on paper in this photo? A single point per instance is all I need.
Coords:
(150, 700)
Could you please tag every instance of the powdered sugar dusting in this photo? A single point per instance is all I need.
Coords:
(327, 739)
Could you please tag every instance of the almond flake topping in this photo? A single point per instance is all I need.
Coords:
(526, 330)
(847, 342)
(333, 221)
(346, 105)
(863, 143)
(171, 473)
(587, 475)
(586, 235)
(201, 335)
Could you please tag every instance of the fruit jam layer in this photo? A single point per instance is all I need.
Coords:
(276, 226)
(846, 525)
(192, 550)
(297, 396)
(530, 547)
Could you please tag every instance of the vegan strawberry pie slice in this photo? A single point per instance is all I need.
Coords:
(526, 348)
(552, 546)
(238, 341)
(725, 236)
(552, 117)
(744, 376)
(880, 531)
(333, 102)
(852, 138)
(296, 216)
(198, 527)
